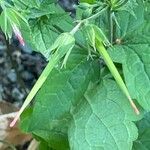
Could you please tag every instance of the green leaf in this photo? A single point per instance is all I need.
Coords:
(8, 18)
(59, 94)
(147, 9)
(25, 118)
(59, 107)
(44, 146)
(102, 120)
(140, 35)
(42, 37)
(126, 5)
(143, 141)
(128, 22)
(135, 61)
(46, 23)
(45, 8)
(5, 25)
(42, 21)
(27, 3)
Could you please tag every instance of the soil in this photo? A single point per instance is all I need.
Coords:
(20, 67)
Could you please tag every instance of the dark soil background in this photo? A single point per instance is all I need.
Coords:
(19, 69)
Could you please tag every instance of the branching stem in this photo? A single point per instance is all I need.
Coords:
(111, 27)
(76, 28)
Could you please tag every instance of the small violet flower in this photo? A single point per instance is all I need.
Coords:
(18, 34)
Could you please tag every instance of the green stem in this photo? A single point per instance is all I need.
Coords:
(59, 31)
(111, 27)
(87, 19)
(101, 49)
(97, 14)
(76, 28)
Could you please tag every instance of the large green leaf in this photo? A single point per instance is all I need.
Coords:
(60, 105)
(42, 37)
(143, 141)
(59, 94)
(147, 9)
(139, 27)
(141, 35)
(124, 19)
(128, 22)
(102, 120)
(135, 60)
